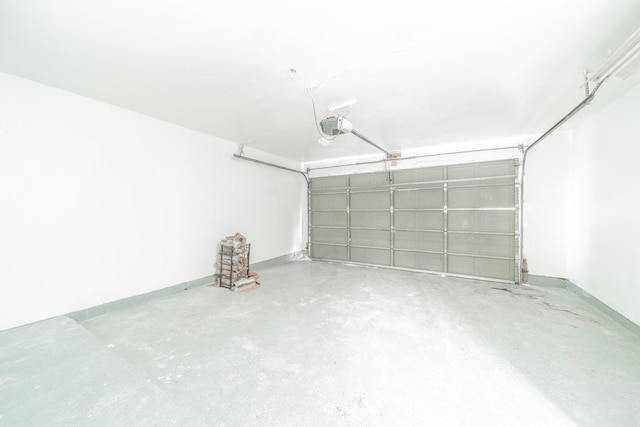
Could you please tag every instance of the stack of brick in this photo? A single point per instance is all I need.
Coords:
(232, 265)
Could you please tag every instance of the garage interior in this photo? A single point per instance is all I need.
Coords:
(392, 167)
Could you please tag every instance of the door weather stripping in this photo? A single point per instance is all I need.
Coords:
(242, 157)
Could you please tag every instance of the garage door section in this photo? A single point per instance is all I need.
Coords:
(456, 220)
(329, 218)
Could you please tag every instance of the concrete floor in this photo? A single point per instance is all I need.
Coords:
(331, 345)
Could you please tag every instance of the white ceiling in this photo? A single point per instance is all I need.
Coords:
(423, 72)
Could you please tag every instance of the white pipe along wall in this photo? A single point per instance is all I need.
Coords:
(98, 203)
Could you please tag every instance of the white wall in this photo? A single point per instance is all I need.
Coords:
(98, 203)
(604, 208)
(546, 195)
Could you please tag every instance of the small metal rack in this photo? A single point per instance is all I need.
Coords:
(230, 254)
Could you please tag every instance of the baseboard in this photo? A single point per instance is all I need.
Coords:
(557, 282)
(622, 320)
(281, 260)
(554, 282)
(108, 307)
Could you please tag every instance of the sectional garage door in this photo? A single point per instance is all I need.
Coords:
(456, 220)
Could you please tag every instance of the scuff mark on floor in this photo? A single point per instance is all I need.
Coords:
(504, 289)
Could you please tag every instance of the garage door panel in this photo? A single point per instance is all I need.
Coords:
(424, 175)
(419, 178)
(370, 200)
(329, 201)
(399, 218)
(371, 219)
(485, 182)
(369, 179)
(424, 185)
(416, 220)
(418, 260)
(419, 199)
(482, 267)
(335, 219)
(423, 241)
(490, 221)
(329, 182)
(482, 197)
(371, 256)
(320, 251)
(329, 235)
(482, 170)
(377, 238)
(481, 244)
